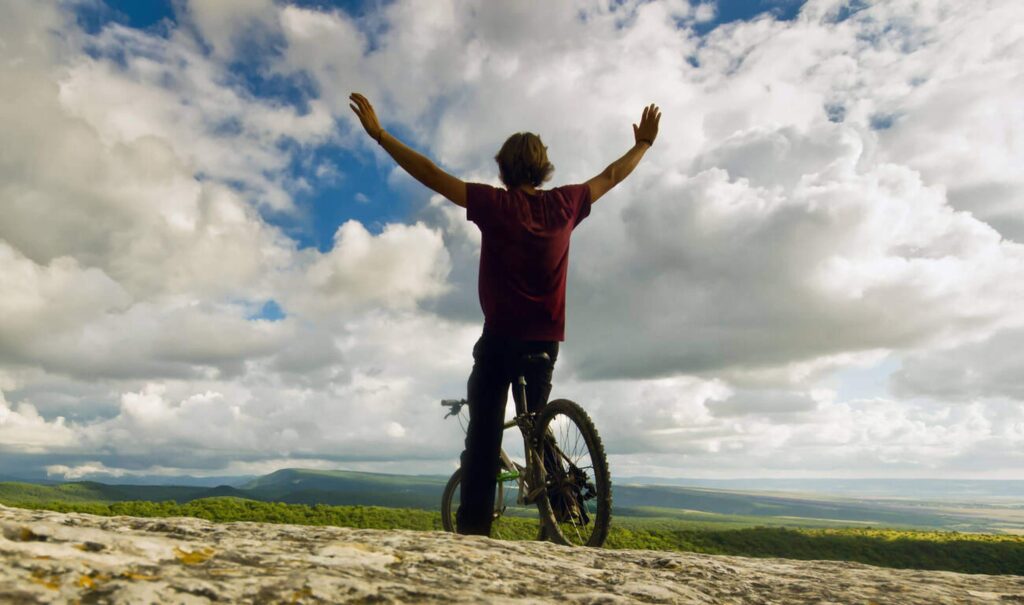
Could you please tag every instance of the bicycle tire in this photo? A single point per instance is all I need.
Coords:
(502, 528)
(557, 419)
(447, 514)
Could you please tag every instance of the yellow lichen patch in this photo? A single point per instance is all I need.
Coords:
(90, 582)
(301, 594)
(132, 575)
(195, 557)
(49, 580)
(27, 535)
(224, 571)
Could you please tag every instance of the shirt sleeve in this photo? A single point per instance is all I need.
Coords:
(479, 203)
(579, 198)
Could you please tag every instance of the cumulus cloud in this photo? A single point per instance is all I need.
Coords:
(167, 89)
(24, 431)
(741, 271)
(397, 268)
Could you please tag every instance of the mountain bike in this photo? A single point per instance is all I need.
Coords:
(564, 475)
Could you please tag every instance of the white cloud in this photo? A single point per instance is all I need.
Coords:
(229, 25)
(398, 268)
(24, 431)
(79, 471)
(714, 273)
(167, 89)
(984, 368)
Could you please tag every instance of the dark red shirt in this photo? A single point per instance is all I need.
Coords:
(524, 257)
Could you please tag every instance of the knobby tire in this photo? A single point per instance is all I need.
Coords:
(568, 533)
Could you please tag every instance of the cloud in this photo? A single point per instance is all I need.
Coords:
(397, 269)
(137, 85)
(230, 26)
(985, 368)
(80, 471)
(714, 272)
(24, 431)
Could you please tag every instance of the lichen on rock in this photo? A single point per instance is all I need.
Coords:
(51, 557)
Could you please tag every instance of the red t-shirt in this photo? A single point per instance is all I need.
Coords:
(524, 257)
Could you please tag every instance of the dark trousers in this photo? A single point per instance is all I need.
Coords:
(495, 366)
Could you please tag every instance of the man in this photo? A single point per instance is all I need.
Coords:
(524, 260)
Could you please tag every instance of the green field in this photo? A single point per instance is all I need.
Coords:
(713, 534)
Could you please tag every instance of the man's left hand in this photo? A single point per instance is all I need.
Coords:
(367, 116)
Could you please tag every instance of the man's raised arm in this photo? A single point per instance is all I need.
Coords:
(617, 171)
(417, 165)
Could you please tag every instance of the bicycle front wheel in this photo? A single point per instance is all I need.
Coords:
(510, 521)
(576, 508)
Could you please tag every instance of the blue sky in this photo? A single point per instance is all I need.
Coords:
(329, 204)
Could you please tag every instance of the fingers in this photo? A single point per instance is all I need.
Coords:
(361, 102)
(651, 114)
(356, 104)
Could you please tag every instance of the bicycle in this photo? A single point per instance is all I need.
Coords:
(565, 474)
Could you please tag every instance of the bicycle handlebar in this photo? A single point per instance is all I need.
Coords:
(454, 405)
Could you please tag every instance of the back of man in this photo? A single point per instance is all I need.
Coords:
(524, 256)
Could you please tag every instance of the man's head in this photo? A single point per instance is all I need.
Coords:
(523, 160)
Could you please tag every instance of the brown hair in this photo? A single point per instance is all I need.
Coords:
(523, 160)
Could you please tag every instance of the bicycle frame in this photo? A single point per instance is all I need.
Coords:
(523, 419)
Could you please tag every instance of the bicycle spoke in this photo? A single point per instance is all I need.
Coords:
(574, 491)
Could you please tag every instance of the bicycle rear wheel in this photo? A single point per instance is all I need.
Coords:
(576, 508)
(510, 522)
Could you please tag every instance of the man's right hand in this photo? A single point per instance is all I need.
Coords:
(648, 129)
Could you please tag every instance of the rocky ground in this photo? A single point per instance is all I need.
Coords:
(56, 558)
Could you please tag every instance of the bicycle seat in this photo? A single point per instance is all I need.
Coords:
(535, 358)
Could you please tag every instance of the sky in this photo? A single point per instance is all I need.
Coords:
(209, 269)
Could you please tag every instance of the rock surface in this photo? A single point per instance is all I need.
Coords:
(53, 557)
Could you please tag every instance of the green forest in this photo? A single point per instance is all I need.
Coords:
(935, 550)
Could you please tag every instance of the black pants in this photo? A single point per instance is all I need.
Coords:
(495, 366)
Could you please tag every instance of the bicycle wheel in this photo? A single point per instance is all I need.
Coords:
(576, 508)
(511, 521)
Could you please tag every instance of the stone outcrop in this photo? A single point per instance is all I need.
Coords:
(50, 557)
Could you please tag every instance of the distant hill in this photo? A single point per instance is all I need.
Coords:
(632, 499)
(92, 491)
(973, 490)
(293, 486)
(300, 486)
